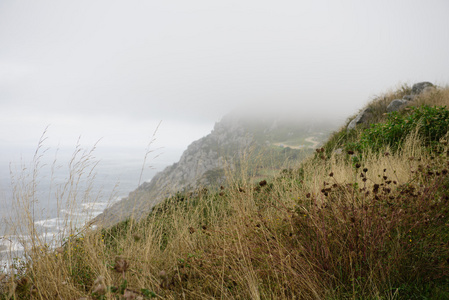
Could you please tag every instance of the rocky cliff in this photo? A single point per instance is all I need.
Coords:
(206, 160)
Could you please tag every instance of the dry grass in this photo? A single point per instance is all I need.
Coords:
(437, 97)
(331, 229)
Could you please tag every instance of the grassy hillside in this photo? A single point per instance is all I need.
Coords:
(253, 148)
(367, 221)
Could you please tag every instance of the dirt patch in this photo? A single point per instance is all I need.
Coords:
(310, 139)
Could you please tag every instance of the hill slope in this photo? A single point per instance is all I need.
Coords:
(268, 144)
(365, 217)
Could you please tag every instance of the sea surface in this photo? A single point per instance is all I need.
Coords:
(55, 193)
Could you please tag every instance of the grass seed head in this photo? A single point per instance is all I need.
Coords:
(128, 294)
(99, 289)
(100, 279)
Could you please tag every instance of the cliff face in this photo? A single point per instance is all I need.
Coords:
(203, 163)
(206, 160)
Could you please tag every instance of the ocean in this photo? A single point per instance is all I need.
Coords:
(59, 191)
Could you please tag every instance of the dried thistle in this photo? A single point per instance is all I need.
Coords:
(121, 265)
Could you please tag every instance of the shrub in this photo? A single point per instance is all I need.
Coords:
(381, 234)
(430, 123)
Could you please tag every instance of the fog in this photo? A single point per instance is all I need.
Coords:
(112, 70)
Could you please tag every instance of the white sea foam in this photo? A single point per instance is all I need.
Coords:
(10, 244)
(94, 207)
(73, 213)
(54, 223)
(51, 231)
(59, 222)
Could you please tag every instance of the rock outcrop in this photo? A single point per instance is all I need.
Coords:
(395, 105)
(362, 117)
(422, 87)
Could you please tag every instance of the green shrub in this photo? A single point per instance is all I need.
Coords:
(431, 124)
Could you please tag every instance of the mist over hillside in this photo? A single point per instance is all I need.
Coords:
(260, 143)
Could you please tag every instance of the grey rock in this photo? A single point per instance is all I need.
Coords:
(362, 117)
(409, 97)
(419, 87)
(396, 104)
(428, 89)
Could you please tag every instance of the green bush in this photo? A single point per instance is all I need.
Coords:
(431, 124)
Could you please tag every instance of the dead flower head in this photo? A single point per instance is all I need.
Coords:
(121, 265)
(164, 279)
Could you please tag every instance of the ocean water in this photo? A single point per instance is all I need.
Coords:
(59, 192)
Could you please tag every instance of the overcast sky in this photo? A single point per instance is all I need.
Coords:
(114, 69)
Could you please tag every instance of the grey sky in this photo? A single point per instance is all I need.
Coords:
(113, 69)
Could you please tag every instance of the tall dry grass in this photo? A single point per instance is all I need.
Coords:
(30, 204)
(334, 228)
(321, 231)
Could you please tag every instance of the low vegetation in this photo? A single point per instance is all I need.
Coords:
(365, 217)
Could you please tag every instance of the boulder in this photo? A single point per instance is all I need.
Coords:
(396, 104)
(362, 117)
(420, 87)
